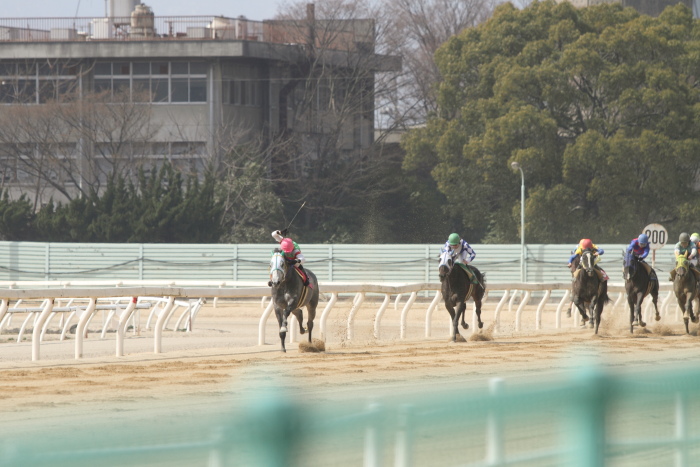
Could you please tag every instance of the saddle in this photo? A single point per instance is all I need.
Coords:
(470, 274)
(304, 277)
(601, 274)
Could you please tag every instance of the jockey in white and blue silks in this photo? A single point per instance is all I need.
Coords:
(460, 249)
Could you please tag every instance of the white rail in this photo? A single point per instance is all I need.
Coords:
(164, 300)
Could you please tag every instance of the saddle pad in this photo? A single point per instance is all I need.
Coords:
(303, 277)
(470, 273)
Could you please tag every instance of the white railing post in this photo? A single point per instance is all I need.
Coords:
(497, 313)
(38, 326)
(429, 313)
(521, 307)
(263, 322)
(538, 315)
(404, 313)
(160, 325)
(121, 327)
(357, 303)
(564, 299)
(404, 438)
(80, 329)
(379, 315)
(326, 312)
(372, 450)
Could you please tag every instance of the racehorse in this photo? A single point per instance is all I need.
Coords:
(589, 291)
(457, 289)
(686, 289)
(638, 284)
(289, 294)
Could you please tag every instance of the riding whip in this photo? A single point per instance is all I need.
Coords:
(295, 215)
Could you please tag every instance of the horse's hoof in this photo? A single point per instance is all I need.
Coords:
(694, 319)
(657, 317)
(465, 325)
(481, 325)
(568, 314)
(643, 324)
(283, 329)
(302, 330)
(635, 323)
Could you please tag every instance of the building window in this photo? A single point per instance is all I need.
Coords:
(243, 92)
(27, 83)
(157, 82)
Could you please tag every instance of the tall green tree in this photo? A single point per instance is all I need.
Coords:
(599, 105)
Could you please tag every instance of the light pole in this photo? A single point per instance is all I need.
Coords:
(516, 166)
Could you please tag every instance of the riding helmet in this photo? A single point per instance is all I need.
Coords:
(287, 245)
(453, 239)
(695, 238)
(643, 239)
(684, 237)
(586, 244)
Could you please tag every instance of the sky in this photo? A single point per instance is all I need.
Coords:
(257, 10)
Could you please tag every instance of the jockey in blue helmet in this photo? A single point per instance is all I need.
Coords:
(639, 247)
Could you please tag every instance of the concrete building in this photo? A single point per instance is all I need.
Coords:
(647, 7)
(199, 77)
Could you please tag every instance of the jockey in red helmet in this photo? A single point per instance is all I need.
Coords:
(587, 244)
(292, 253)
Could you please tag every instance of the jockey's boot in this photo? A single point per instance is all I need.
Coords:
(602, 275)
(306, 276)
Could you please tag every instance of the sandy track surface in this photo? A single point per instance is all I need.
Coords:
(219, 362)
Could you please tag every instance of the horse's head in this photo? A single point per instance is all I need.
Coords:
(278, 268)
(682, 265)
(446, 263)
(629, 265)
(588, 262)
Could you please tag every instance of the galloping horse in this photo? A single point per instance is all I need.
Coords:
(457, 289)
(289, 294)
(685, 287)
(589, 291)
(638, 284)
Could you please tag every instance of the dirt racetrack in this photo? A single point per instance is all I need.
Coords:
(220, 363)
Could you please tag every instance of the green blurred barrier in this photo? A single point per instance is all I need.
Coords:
(592, 419)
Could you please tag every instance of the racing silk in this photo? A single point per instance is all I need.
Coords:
(579, 250)
(296, 252)
(638, 250)
(690, 251)
(463, 253)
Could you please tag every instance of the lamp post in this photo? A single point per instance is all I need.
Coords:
(516, 166)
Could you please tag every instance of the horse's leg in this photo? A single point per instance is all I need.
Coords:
(459, 314)
(477, 302)
(598, 313)
(654, 299)
(592, 312)
(581, 309)
(299, 315)
(633, 311)
(283, 334)
(685, 313)
(451, 311)
(311, 314)
(689, 304)
(638, 308)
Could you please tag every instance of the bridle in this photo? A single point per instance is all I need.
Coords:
(278, 267)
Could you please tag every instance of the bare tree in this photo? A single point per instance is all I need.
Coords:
(416, 29)
(72, 146)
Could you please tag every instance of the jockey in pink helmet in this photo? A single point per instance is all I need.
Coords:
(291, 251)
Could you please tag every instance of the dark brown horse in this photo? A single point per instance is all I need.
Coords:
(685, 287)
(589, 292)
(289, 294)
(457, 289)
(638, 284)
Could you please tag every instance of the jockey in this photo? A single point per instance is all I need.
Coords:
(639, 247)
(695, 240)
(461, 253)
(292, 253)
(686, 248)
(587, 244)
